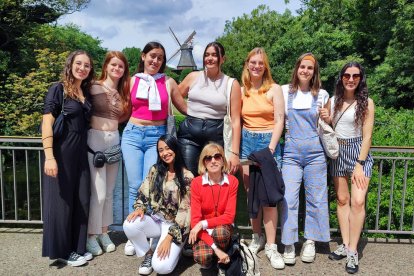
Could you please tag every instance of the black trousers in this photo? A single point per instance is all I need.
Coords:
(194, 134)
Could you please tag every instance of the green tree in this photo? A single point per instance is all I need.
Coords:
(61, 39)
(393, 81)
(133, 55)
(18, 17)
(21, 105)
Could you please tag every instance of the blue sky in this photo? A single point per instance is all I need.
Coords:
(130, 23)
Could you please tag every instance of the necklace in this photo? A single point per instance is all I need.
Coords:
(212, 194)
(111, 93)
(213, 81)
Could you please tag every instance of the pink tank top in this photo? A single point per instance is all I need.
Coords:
(140, 106)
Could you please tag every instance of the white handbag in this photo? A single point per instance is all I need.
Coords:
(227, 127)
(328, 138)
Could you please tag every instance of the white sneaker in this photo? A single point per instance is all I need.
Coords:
(92, 246)
(74, 260)
(105, 241)
(274, 256)
(146, 266)
(129, 248)
(88, 256)
(258, 243)
(308, 253)
(289, 256)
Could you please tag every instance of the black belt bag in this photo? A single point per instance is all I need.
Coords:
(111, 155)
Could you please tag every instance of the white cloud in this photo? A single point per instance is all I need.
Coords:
(133, 23)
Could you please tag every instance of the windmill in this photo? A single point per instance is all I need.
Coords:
(186, 49)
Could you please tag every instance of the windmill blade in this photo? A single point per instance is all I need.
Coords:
(173, 34)
(190, 37)
(173, 56)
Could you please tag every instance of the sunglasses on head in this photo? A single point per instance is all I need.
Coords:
(355, 77)
(216, 157)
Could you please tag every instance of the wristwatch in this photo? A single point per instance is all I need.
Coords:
(362, 162)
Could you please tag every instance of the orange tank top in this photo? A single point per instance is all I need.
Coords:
(257, 112)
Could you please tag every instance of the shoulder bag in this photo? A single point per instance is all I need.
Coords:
(171, 124)
(59, 121)
(227, 127)
(328, 136)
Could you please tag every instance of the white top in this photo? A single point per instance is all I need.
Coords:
(303, 99)
(345, 128)
(207, 99)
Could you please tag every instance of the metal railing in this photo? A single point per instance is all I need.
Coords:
(391, 188)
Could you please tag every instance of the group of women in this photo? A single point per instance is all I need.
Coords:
(182, 190)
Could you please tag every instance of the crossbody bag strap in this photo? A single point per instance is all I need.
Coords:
(167, 86)
(63, 100)
(228, 94)
(342, 115)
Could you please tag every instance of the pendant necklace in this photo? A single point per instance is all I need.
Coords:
(212, 194)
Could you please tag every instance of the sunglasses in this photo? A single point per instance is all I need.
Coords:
(347, 77)
(216, 157)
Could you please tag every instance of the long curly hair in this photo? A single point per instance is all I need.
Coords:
(315, 83)
(68, 79)
(267, 79)
(162, 168)
(361, 94)
(123, 84)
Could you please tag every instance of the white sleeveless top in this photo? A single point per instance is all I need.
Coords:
(206, 98)
(345, 128)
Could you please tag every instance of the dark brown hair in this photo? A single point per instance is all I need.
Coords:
(361, 94)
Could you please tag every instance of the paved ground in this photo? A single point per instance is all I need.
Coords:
(20, 254)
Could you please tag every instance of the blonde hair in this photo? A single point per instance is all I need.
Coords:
(315, 82)
(267, 76)
(211, 149)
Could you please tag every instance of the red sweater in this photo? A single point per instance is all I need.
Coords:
(203, 204)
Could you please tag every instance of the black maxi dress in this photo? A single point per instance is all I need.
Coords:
(66, 197)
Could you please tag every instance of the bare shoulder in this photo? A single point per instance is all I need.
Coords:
(170, 80)
(132, 81)
(96, 88)
(192, 76)
(371, 105)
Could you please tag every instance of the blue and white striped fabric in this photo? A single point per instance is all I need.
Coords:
(349, 150)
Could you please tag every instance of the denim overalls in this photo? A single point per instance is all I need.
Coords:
(304, 158)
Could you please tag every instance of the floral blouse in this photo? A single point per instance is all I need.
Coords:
(170, 206)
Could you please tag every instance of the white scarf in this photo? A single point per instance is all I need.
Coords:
(147, 89)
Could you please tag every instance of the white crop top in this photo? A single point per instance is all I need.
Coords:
(345, 128)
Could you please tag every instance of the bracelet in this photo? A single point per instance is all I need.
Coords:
(237, 154)
(47, 137)
(47, 148)
(50, 159)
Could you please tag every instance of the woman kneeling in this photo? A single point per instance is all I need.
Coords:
(213, 207)
(166, 190)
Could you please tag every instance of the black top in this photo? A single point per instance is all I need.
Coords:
(266, 183)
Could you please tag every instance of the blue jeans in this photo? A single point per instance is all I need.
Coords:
(139, 150)
(253, 141)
